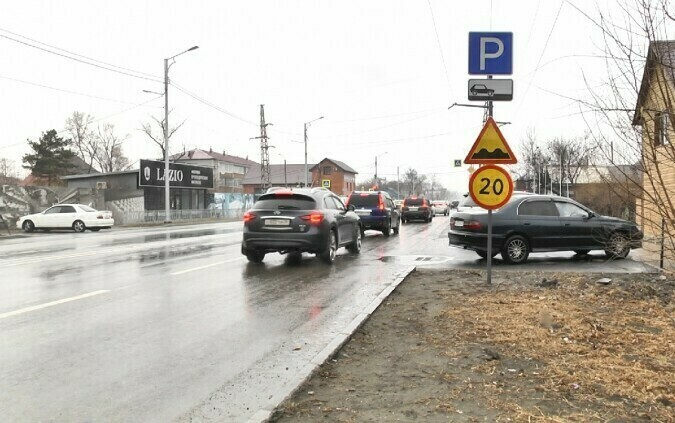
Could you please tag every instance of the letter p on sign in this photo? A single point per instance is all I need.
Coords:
(490, 53)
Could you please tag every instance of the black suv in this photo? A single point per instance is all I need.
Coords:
(376, 210)
(300, 220)
(416, 208)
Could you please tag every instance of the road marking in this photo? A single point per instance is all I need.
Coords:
(50, 304)
(206, 267)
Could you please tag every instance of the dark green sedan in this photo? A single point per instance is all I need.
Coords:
(540, 223)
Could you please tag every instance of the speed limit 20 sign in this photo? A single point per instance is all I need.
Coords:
(490, 187)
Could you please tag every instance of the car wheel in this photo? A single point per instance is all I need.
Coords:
(581, 252)
(397, 228)
(79, 226)
(255, 256)
(328, 255)
(617, 246)
(28, 226)
(387, 229)
(355, 247)
(94, 229)
(515, 250)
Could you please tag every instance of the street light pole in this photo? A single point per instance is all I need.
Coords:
(167, 180)
(306, 169)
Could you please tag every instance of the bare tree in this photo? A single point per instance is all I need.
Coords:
(157, 134)
(84, 139)
(8, 172)
(630, 117)
(110, 156)
(570, 156)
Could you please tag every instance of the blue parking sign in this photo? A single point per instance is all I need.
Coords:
(490, 53)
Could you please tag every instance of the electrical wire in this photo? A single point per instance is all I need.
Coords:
(211, 105)
(541, 56)
(35, 84)
(80, 55)
(440, 49)
(79, 60)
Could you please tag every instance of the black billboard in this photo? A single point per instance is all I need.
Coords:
(151, 174)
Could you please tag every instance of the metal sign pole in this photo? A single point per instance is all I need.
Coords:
(489, 234)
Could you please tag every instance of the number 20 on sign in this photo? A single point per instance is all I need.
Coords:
(490, 187)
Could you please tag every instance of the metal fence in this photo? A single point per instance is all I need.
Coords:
(151, 216)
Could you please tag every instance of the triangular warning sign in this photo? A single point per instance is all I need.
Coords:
(490, 147)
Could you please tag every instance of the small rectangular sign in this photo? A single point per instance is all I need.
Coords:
(490, 89)
(325, 183)
(458, 163)
(151, 174)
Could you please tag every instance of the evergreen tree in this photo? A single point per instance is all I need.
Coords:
(50, 156)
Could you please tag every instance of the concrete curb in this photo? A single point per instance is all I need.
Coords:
(263, 415)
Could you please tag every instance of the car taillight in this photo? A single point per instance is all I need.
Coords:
(313, 218)
(403, 204)
(380, 205)
(248, 216)
(472, 224)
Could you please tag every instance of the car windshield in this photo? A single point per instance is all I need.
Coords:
(468, 202)
(87, 208)
(414, 201)
(294, 202)
(368, 200)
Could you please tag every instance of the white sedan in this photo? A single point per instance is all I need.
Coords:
(77, 217)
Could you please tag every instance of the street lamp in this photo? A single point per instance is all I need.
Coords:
(307, 170)
(167, 182)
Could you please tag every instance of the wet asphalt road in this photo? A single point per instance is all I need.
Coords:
(161, 324)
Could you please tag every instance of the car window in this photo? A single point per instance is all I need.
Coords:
(570, 210)
(67, 209)
(329, 203)
(87, 208)
(294, 202)
(364, 200)
(537, 208)
(468, 202)
(53, 210)
(339, 203)
(414, 201)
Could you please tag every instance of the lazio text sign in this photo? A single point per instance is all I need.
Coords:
(151, 174)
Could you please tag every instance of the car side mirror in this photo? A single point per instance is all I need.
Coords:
(351, 207)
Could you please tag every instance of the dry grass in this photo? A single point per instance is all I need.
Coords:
(606, 344)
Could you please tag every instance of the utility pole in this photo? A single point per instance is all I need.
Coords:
(167, 182)
(306, 169)
(285, 175)
(398, 184)
(265, 174)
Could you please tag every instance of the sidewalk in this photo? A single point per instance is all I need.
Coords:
(446, 347)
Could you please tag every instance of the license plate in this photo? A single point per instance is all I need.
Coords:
(277, 222)
(363, 212)
(459, 223)
(412, 208)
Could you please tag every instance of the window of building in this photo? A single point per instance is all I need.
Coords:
(327, 170)
(661, 124)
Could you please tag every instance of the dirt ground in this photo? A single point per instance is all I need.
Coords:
(447, 347)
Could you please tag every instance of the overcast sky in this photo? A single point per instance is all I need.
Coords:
(381, 73)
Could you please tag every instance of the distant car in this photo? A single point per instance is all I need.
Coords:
(539, 223)
(440, 207)
(416, 208)
(398, 204)
(376, 210)
(77, 217)
(300, 220)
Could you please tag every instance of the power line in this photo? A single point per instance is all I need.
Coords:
(438, 40)
(349, 134)
(35, 84)
(541, 56)
(211, 105)
(79, 60)
(80, 55)
(386, 116)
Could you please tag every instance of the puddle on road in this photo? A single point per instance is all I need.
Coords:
(171, 235)
(416, 260)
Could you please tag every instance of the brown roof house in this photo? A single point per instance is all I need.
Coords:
(654, 115)
(334, 175)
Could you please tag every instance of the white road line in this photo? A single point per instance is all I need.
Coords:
(206, 267)
(50, 304)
